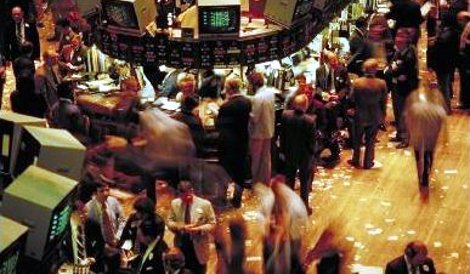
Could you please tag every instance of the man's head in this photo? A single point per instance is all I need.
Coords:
(76, 41)
(332, 59)
(370, 67)
(187, 84)
(149, 231)
(416, 253)
(186, 191)
(17, 14)
(255, 80)
(300, 103)
(463, 17)
(65, 90)
(101, 192)
(232, 86)
(144, 207)
(402, 39)
(189, 103)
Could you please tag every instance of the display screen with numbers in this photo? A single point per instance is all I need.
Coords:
(59, 224)
(10, 258)
(219, 19)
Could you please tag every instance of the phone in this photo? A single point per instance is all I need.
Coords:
(127, 245)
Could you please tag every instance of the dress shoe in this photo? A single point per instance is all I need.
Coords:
(395, 139)
(309, 210)
(354, 164)
(402, 145)
(369, 166)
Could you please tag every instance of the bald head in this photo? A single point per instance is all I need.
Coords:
(370, 66)
(300, 103)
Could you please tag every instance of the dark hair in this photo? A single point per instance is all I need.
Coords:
(144, 205)
(361, 22)
(64, 90)
(189, 103)
(149, 228)
(184, 186)
(256, 79)
(97, 185)
(415, 247)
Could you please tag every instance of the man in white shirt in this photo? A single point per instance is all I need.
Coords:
(261, 128)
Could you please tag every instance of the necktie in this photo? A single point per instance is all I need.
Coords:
(19, 34)
(107, 226)
(332, 75)
(81, 242)
(187, 214)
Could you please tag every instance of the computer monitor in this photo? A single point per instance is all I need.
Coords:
(12, 243)
(128, 15)
(53, 149)
(11, 127)
(222, 18)
(41, 200)
(287, 12)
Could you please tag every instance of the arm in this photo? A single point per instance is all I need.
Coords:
(35, 40)
(174, 225)
(209, 226)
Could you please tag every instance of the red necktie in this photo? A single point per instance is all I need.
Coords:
(108, 231)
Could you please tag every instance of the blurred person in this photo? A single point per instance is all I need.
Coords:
(66, 34)
(24, 62)
(17, 32)
(360, 47)
(66, 114)
(106, 215)
(3, 76)
(60, 9)
(464, 60)
(285, 218)
(25, 100)
(192, 219)
(404, 72)
(261, 128)
(72, 58)
(48, 77)
(188, 116)
(153, 247)
(380, 37)
(211, 84)
(425, 116)
(232, 124)
(407, 14)
(369, 95)
(231, 248)
(174, 262)
(298, 138)
(414, 260)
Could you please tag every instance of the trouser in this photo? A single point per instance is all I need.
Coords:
(236, 167)
(260, 150)
(444, 80)
(191, 261)
(305, 175)
(370, 133)
(398, 108)
(424, 165)
(464, 72)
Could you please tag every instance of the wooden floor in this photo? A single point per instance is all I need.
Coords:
(376, 212)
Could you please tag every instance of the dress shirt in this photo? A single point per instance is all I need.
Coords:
(115, 212)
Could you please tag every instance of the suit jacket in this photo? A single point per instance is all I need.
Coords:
(398, 266)
(406, 13)
(153, 263)
(370, 97)
(203, 215)
(196, 129)
(405, 63)
(232, 124)
(297, 135)
(341, 82)
(69, 55)
(12, 47)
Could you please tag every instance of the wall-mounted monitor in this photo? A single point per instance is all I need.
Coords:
(219, 18)
(129, 14)
(41, 200)
(287, 12)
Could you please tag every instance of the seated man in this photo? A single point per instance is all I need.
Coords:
(66, 114)
(48, 77)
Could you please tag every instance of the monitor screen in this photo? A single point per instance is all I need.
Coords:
(6, 135)
(10, 257)
(120, 13)
(59, 224)
(219, 19)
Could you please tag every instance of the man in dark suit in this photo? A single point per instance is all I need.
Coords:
(415, 260)
(193, 122)
(17, 33)
(407, 14)
(404, 72)
(151, 259)
(298, 145)
(370, 97)
(232, 124)
(333, 86)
